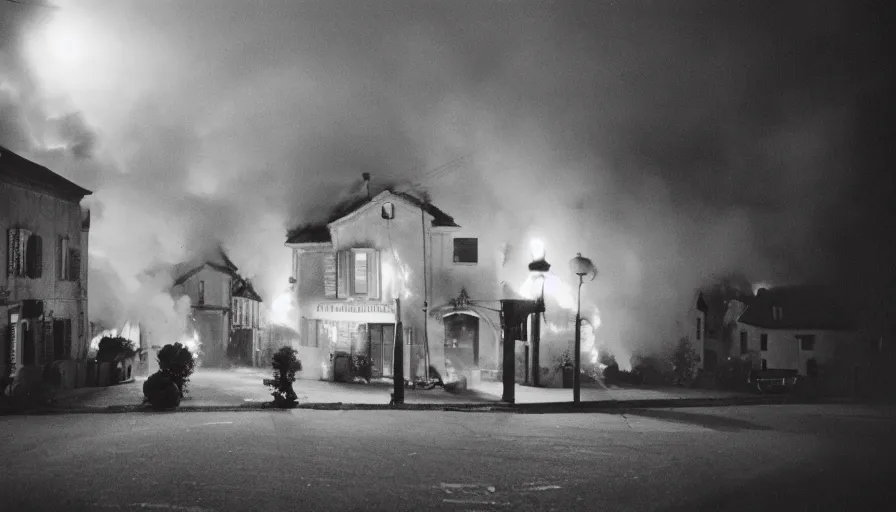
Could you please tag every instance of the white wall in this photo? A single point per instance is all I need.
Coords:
(784, 351)
(49, 217)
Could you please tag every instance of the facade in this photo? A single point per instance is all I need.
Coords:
(43, 290)
(795, 328)
(348, 272)
(209, 287)
(226, 312)
(692, 325)
(247, 324)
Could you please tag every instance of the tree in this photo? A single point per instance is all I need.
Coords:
(684, 360)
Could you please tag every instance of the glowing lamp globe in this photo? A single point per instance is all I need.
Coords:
(582, 266)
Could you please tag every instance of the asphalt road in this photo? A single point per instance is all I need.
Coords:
(830, 457)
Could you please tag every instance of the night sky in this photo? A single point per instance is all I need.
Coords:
(672, 142)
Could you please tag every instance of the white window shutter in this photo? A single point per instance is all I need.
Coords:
(330, 275)
(374, 289)
(343, 274)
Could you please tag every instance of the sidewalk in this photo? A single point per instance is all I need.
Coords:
(241, 387)
(493, 391)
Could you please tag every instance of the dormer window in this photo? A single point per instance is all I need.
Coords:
(777, 313)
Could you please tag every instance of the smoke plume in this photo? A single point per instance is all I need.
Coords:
(670, 144)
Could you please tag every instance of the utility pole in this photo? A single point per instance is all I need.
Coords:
(398, 358)
(514, 313)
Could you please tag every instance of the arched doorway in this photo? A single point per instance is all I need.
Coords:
(462, 341)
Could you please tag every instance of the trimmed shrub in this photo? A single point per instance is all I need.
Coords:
(177, 361)
(161, 391)
(285, 364)
(112, 350)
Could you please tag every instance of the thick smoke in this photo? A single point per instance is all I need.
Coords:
(670, 144)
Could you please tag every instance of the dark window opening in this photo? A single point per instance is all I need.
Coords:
(763, 341)
(466, 250)
(27, 344)
(743, 342)
(764, 364)
(807, 341)
(699, 328)
(202, 292)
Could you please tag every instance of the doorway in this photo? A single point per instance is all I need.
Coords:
(462, 341)
(381, 339)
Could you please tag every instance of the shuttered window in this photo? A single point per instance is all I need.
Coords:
(354, 273)
(74, 265)
(24, 255)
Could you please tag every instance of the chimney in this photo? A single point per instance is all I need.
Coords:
(366, 176)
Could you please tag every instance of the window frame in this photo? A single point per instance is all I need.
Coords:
(763, 342)
(454, 247)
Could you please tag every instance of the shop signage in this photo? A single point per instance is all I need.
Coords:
(341, 307)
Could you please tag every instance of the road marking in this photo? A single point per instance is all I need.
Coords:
(218, 423)
(462, 486)
(541, 488)
(166, 506)
(473, 502)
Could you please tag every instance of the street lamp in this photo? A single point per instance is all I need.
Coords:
(538, 267)
(581, 267)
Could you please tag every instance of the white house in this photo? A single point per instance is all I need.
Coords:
(794, 328)
(43, 291)
(348, 271)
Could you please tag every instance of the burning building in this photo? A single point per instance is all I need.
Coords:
(348, 270)
(226, 318)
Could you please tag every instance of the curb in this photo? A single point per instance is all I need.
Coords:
(535, 408)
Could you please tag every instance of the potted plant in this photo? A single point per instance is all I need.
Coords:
(567, 366)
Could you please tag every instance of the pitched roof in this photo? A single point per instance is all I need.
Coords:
(311, 233)
(243, 288)
(193, 271)
(19, 169)
(802, 307)
(320, 233)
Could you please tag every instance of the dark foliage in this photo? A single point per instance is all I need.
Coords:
(362, 366)
(177, 362)
(285, 364)
(115, 349)
(161, 392)
(684, 361)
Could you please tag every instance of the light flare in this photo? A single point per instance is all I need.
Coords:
(281, 309)
(192, 343)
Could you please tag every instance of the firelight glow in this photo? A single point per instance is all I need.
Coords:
(281, 309)
(536, 247)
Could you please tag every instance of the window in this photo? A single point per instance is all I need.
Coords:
(763, 341)
(777, 313)
(313, 332)
(24, 254)
(743, 342)
(63, 259)
(764, 364)
(699, 328)
(359, 273)
(27, 344)
(466, 250)
(356, 273)
(202, 292)
(807, 341)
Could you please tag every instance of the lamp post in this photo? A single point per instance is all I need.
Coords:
(581, 267)
(538, 267)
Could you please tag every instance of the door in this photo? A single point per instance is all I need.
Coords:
(382, 338)
(462, 341)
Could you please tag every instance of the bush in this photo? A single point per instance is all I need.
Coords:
(115, 349)
(161, 391)
(285, 364)
(178, 363)
(362, 366)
